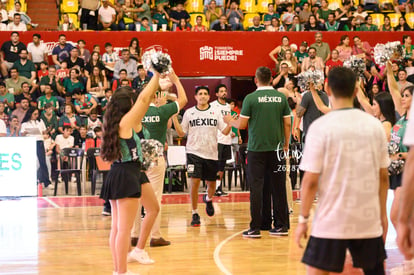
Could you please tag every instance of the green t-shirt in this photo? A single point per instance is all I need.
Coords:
(256, 29)
(156, 120)
(234, 129)
(26, 69)
(322, 50)
(10, 98)
(333, 27)
(324, 14)
(52, 123)
(370, 29)
(16, 86)
(265, 108)
(398, 132)
(300, 56)
(46, 80)
(161, 19)
(41, 102)
(70, 86)
(146, 13)
(267, 17)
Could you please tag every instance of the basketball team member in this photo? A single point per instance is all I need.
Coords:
(155, 121)
(352, 194)
(405, 228)
(268, 115)
(224, 141)
(125, 182)
(201, 123)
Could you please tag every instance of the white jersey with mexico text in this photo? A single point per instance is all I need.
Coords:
(223, 109)
(201, 128)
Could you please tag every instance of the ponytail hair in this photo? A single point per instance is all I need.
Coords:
(120, 104)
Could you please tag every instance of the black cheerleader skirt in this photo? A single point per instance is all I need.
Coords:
(124, 180)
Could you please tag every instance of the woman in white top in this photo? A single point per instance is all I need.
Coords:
(33, 126)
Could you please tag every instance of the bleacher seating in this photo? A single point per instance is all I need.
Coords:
(194, 6)
(377, 19)
(248, 6)
(73, 18)
(69, 6)
(262, 5)
(10, 5)
(409, 17)
(394, 18)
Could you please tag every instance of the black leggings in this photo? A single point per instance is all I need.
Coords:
(42, 172)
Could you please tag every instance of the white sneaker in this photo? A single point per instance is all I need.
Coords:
(141, 257)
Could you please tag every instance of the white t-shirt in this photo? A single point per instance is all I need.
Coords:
(4, 15)
(3, 129)
(64, 142)
(347, 148)
(34, 128)
(223, 110)
(21, 27)
(3, 27)
(106, 14)
(37, 52)
(409, 131)
(201, 128)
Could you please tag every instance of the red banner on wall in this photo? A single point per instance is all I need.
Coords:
(209, 53)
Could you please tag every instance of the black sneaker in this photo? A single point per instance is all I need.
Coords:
(106, 211)
(196, 220)
(221, 193)
(252, 234)
(209, 206)
(282, 231)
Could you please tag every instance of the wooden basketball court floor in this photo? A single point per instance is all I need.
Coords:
(68, 235)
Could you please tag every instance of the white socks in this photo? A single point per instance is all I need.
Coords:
(194, 211)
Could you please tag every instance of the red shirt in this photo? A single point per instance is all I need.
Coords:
(41, 74)
(330, 64)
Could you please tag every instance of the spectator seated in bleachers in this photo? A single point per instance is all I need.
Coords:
(222, 25)
(25, 67)
(372, 5)
(126, 17)
(199, 27)
(21, 109)
(122, 76)
(402, 25)
(109, 57)
(368, 26)
(182, 26)
(26, 93)
(142, 10)
(84, 102)
(275, 25)
(405, 6)
(16, 24)
(178, 14)
(37, 51)
(387, 25)
(62, 51)
(145, 25)
(324, 11)
(3, 12)
(92, 122)
(66, 24)
(161, 17)
(235, 16)
(107, 17)
(74, 61)
(97, 83)
(314, 25)
(127, 63)
(257, 27)
(287, 17)
(25, 19)
(213, 13)
(69, 118)
(13, 129)
(295, 26)
(88, 14)
(331, 24)
(360, 14)
(267, 18)
(305, 13)
(50, 119)
(6, 98)
(3, 27)
(14, 83)
(141, 80)
(70, 84)
(47, 98)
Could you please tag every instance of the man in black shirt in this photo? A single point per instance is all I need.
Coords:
(74, 60)
(280, 80)
(9, 53)
(222, 25)
(177, 15)
(141, 80)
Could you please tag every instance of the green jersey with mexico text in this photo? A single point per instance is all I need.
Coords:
(156, 120)
(265, 108)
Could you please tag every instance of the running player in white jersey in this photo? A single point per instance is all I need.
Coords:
(224, 141)
(201, 123)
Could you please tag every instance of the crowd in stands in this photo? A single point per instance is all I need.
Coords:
(238, 15)
(15, 18)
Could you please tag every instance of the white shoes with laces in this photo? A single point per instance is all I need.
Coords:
(140, 256)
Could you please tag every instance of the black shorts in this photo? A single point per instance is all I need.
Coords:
(329, 254)
(205, 169)
(395, 181)
(224, 154)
